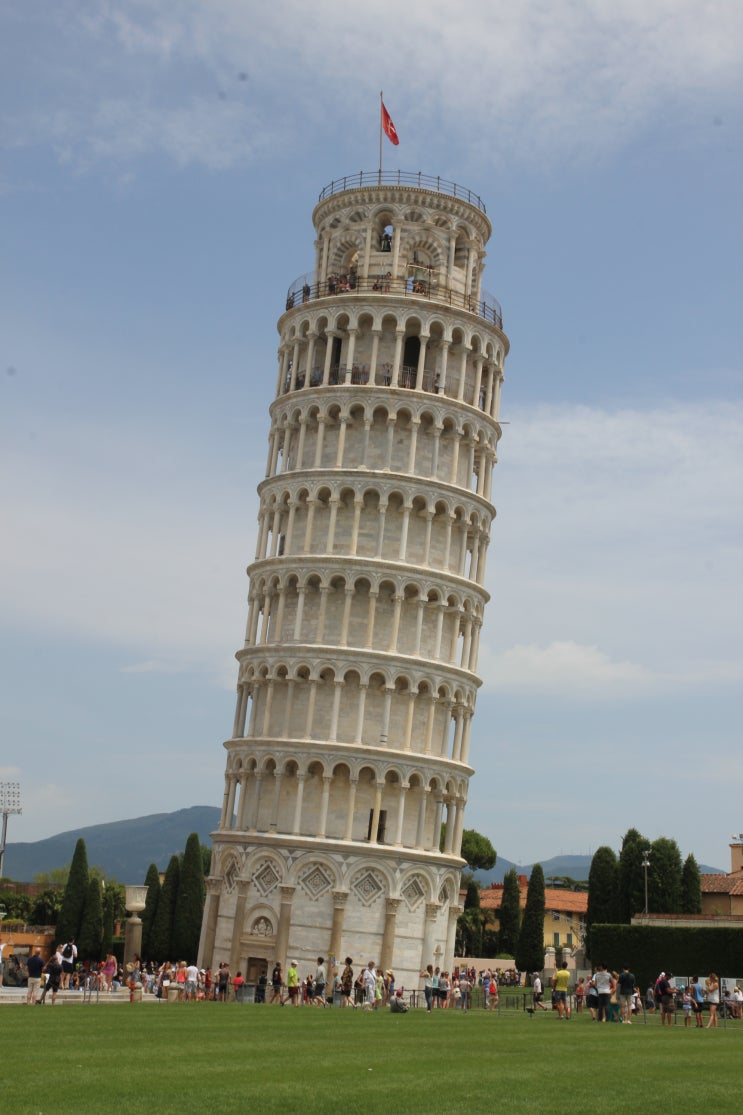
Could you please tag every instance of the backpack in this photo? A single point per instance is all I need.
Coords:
(67, 951)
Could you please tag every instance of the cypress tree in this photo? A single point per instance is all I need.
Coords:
(529, 955)
(691, 887)
(664, 877)
(602, 891)
(189, 905)
(510, 913)
(632, 875)
(162, 923)
(107, 942)
(91, 931)
(75, 896)
(152, 882)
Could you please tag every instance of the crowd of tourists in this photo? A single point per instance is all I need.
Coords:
(614, 996)
(607, 995)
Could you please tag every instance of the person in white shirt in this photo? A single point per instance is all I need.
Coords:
(192, 979)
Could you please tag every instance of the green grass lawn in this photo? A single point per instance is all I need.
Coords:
(211, 1057)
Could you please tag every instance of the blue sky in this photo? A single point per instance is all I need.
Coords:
(159, 166)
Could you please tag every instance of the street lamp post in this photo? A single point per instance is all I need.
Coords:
(10, 802)
(645, 866)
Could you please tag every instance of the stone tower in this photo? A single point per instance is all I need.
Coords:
(358, 677)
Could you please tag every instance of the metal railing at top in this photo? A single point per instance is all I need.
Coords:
(402, 178)
(304, 290)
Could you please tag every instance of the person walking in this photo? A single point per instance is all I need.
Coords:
(626, 992)
(697, 1002)
(292, 983)
(321, 978)
(370, 985)
(34, 967)
(537, 994)
(427, 978)
(664, 991)
(560, 982)
(69, 957)
(53, 969)
(347, 984)
(277, 981)
(602, 983)
(712, 995)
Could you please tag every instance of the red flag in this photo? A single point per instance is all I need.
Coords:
(388, 127)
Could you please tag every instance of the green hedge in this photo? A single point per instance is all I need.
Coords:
(650, 949)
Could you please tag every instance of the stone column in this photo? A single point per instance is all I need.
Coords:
(375, 813)
(285, 921)
(297, 826)
(353, 783)
(320, 440)
(243, 886)
(343, 640)
(241, 821)
(388, 939)
(429, 929)
(277, 775)
(340, 897)
(360, 713)
(225, 802)
(401, 812)
(323, 821)
(357, 508)
(420, 834)
(209, 922)
(424, 338)
(451, 931)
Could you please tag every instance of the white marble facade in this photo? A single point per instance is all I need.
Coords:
(358, 678)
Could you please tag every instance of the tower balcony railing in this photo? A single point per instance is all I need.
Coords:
(428, 289)
(402, 178)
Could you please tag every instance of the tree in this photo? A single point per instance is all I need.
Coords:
(91, 930)
(477, 851)
(470, 924)
(189, 905)
(632, 875)
(509, 916)
(152, 882)
(46, 907)
(206, 859)
(162, 924)
(664, 877)
(529, 955)
(602, 891)
(56, 877)
(691, 887)
(17, 906)
(75, 895)
(107, 941)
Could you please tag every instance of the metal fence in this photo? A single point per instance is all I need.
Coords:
(415, 179)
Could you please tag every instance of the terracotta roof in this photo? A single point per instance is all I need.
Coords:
(555, 898)
(722, 884)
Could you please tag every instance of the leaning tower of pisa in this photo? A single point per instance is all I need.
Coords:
(349, 763)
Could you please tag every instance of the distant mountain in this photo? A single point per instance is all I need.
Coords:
(124, 849)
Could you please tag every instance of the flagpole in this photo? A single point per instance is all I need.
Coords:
(381, 102)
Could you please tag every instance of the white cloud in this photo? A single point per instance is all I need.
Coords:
(620, 531)
(562, 669)
(532, 81)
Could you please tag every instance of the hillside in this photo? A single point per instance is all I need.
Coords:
(124, 849)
